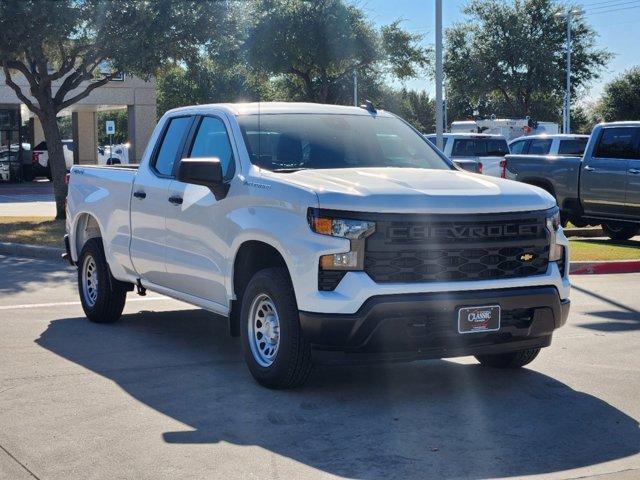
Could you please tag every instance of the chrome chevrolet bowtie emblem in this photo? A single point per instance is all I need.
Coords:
(525, 257)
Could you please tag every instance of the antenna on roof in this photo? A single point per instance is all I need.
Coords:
(368, 106)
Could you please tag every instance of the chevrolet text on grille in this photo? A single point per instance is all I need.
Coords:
(418, 232)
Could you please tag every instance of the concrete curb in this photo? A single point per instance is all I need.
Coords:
(583, 232)
(31, 251)
(615, 266)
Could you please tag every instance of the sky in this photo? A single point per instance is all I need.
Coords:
(617, 23)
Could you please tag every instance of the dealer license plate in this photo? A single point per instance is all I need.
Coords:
(479, 319)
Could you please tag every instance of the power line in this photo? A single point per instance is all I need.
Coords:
(618, 4)
(611, 11)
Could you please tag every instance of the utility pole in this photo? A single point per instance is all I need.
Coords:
(355, 88)
(566, 115)
(439, 104)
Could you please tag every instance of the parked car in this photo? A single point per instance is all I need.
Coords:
(40, 167)
(466, 149)
(561, 144)
(602, 187)
(114, 154)
(319, 241)
(10, 162)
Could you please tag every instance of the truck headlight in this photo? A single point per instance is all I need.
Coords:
(556, 252)
(354, 230)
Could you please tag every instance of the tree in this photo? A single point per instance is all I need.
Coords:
(508, 58)
(61, 47)
(314, 47)
(621, 98)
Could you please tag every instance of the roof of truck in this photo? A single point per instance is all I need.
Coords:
(566, 136)
(255, 108)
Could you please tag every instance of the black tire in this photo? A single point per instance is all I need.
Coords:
(105, 305)
(509, 360)
(292, 364)
(620, 231)
(27, 174)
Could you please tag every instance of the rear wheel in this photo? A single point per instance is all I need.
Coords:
(101, 295)
(275, 351)
(509, 360)
(620, 231)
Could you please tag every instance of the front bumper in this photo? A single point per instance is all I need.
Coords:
(424, 325)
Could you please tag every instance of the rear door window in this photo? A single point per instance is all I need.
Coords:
(574, 147)
(171, 145)
(618, 142)
(540, 146)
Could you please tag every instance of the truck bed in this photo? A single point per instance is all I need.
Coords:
(104, 192)
(557, 174)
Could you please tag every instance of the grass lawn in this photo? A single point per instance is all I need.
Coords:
(599, 249)
(32, 230)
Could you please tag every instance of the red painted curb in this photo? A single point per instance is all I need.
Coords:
(622, 266)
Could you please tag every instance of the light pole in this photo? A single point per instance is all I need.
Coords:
(566, 116)
(355, 88)
(439, 105)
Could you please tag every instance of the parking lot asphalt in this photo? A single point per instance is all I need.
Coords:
(27, 199)
(165, 394)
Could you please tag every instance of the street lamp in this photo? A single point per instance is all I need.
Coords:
(569, 14)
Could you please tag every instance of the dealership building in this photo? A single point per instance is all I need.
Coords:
(136, 96)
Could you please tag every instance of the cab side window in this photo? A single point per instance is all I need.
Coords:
(212, 140)
(618, 142)
(171, 143)
(540, 146)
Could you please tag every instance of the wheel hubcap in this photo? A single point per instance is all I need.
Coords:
(264, 330)
(89, 281)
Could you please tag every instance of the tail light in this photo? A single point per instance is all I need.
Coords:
(35, 157)
(503, 168)
(480, 167)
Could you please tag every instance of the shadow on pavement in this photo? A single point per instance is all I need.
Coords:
(425, 419)
(625, 318)
(18, 274)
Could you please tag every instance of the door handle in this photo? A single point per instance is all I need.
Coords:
(176, 200)
(589, 169)
(140, 194)
(633, 171)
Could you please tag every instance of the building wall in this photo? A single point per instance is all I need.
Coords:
(135, 94)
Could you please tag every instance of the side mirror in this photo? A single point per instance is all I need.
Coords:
(205, 171)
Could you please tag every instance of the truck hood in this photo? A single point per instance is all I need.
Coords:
(415, 190)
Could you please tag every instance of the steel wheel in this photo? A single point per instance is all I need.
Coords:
(264, 330)
(89, 281)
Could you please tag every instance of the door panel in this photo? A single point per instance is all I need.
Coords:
(633, 185)
(603, 175)
(198, 228)
(149, 203)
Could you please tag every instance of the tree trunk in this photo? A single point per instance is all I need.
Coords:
(57, 163)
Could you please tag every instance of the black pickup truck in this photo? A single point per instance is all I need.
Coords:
(602, 187)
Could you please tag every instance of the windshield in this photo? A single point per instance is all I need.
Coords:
(289, 142)
(479, 147)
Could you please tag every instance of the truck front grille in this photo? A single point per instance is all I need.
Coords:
(408, 248)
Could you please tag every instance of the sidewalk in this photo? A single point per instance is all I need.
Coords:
(27, 199)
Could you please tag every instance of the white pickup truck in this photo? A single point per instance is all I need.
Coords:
(323, 234)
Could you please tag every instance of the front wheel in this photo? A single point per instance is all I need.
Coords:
(275, 351)
(509, 360)
(101, 295)
(620, 231)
